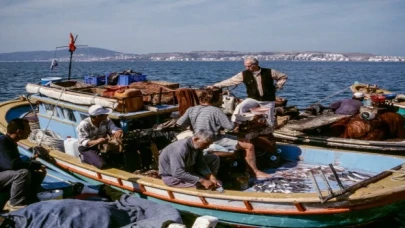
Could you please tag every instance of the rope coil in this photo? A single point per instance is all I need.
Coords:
(400, 172)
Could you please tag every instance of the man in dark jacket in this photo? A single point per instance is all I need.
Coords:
(261, 85)
(15, 174)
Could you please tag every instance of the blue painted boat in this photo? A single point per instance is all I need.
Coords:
(356, 202)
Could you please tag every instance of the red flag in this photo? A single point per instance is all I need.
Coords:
(72, 46)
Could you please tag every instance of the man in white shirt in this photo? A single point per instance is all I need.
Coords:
(93, 131)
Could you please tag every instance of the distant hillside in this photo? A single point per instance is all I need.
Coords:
(61, 53)
(99, 54)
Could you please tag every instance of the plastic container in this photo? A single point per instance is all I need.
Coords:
(259, 111)
(48, 80)
(390, 96)
(205, 221)
(129, 100)
(50, 195)
(378, 98)
(125, 80)
(95, 80)
(72, 147)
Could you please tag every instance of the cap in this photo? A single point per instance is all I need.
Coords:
(96, 110)
(358, 95)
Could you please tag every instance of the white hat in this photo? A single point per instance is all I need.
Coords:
(96, 110)
(358, 95)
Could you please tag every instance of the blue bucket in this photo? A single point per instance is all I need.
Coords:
(46, 81)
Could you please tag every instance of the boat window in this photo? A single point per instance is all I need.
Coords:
(83, 116)
(50, 109)
(69, 114)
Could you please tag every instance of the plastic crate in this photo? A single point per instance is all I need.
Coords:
(125, 80)
(95, 80)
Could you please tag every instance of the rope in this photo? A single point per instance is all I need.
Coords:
(340, 91)
(400, 172)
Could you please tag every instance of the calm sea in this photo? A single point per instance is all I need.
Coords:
(308, 82)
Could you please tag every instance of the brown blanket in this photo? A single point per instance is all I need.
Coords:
(186, 98)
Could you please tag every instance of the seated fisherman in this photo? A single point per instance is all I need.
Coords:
(206, 116)
(93, 131)
(349, 106)
(182, 163)
(22, 177)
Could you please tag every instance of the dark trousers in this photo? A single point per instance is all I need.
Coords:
(23, 185)
(90, 155)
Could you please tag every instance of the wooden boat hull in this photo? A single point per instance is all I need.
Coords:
(252, 209)
(385, 147)
(260, 209)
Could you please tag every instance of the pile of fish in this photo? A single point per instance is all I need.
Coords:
(299, 179)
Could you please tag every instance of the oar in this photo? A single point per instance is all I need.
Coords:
(362, 184)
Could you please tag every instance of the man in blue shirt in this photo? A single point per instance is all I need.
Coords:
(15, 174)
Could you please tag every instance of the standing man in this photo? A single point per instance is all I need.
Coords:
(23, 177)
(208, 117)
(182, 163)
(260, 86)
(93, 131)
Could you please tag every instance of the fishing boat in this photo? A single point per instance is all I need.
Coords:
(376, 100)
(339, 188)
(381, 95)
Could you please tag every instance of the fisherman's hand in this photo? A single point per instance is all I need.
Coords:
(43, 169)
(215, 181)
(206, 183)
(118, 134)
(101, 140)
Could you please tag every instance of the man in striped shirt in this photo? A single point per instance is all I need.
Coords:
(261, 85)
(207, 117)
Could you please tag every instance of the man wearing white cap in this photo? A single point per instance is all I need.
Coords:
(93, 131)
(349, 106)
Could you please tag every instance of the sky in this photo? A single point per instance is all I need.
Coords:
(158, 26)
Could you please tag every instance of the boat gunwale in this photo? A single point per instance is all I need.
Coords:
(385, 146)
(151, 110)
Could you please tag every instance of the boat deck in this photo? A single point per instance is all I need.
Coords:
(295, 177)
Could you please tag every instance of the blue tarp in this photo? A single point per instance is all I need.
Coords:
(128, 211)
